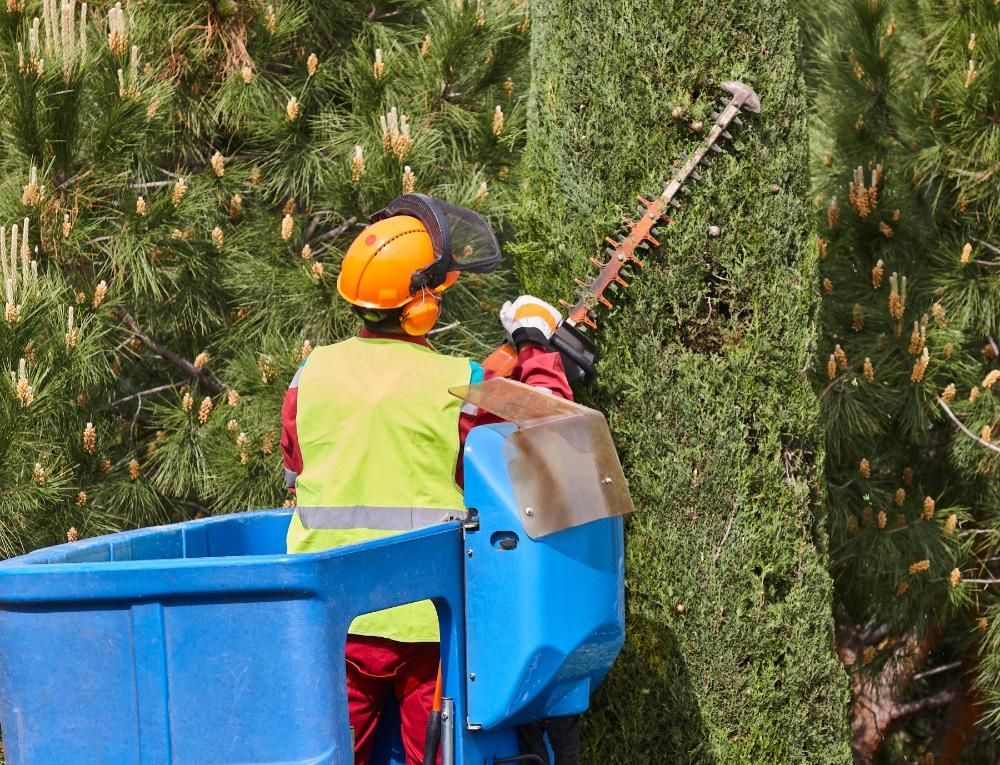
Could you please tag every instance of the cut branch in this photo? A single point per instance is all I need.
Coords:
(961, 426)
(445, 328)
(725, 533)
(205, 376)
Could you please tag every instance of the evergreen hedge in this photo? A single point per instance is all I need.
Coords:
(729, 657)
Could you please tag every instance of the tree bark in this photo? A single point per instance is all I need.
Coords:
(877, 705)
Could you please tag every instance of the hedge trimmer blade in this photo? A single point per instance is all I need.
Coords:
(578, 353)
(642, 233)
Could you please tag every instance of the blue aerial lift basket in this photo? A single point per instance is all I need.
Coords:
(204, 643)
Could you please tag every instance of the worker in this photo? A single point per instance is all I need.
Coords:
(372, 439)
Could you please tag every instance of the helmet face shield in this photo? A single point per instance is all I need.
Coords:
(474, 246)
(463, 239)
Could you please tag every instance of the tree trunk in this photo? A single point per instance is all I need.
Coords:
(729, 657)
(879, 703)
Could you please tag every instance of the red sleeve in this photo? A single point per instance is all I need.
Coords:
(535, 366)
(290, 436)
(541, 369)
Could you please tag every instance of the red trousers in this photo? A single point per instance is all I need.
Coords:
(377, 667)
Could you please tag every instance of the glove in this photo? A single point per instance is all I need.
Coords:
(529, 320)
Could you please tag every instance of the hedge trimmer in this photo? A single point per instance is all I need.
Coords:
(570, 339)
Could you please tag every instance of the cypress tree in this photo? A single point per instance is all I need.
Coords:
(704, 377)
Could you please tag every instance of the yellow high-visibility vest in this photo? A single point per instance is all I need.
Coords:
(378, 432)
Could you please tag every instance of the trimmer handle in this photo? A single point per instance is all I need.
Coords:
(578, 354)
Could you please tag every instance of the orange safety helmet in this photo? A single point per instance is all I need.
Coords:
(405, 258)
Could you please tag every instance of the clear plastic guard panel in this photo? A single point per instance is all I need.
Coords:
(562, 460)
(516, 402)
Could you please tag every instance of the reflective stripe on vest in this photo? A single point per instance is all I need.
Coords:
(378, 432)
(382, 518)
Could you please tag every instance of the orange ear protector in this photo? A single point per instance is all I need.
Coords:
(420, 314)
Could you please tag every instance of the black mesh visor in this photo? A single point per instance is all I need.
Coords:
(462, 238)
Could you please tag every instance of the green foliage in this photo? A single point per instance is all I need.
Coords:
(908, 147)
(704, 377)
(191, 173)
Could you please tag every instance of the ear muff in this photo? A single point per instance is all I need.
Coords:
(420, 314)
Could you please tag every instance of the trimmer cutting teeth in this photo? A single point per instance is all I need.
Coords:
(570, 339)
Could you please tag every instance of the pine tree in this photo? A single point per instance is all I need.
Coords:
(906, 171)
(181, 180)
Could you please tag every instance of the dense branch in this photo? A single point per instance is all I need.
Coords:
(313, 224)
(991, 247)
(961, 426)
(374, 15)
(335, 232)
(839, 378)
(199, 508)
(74, 180)
(874, 634)
(941, 698)
(204, 375)
(147, 392)
(938, 670)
